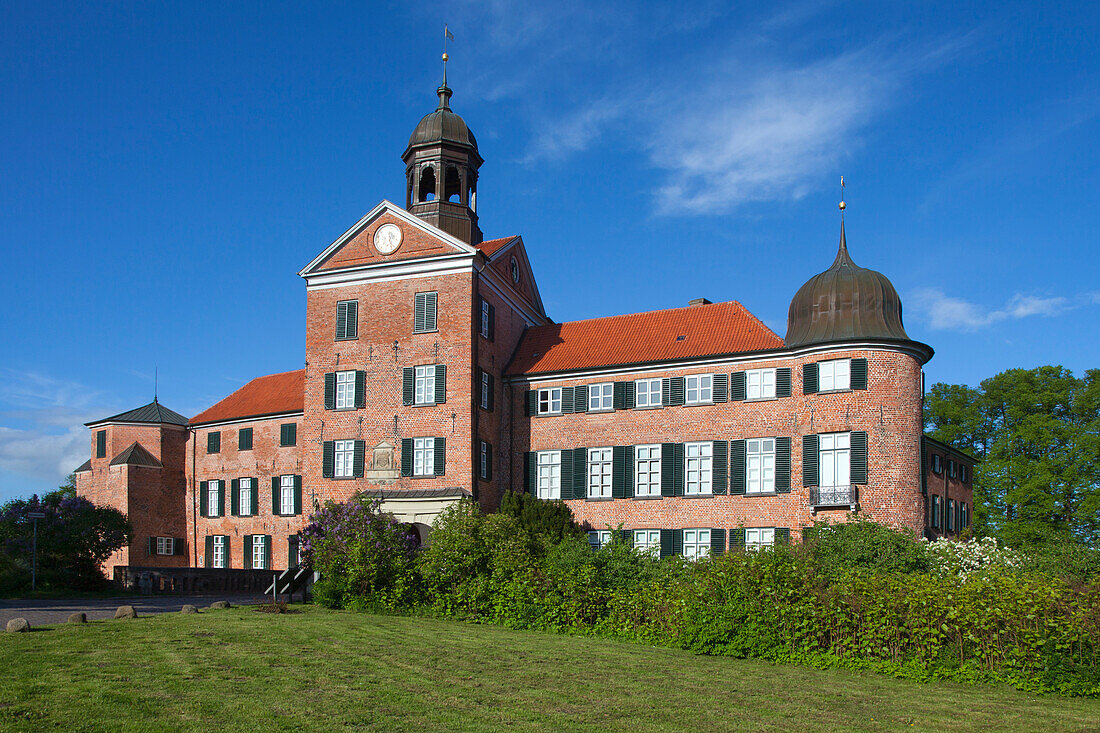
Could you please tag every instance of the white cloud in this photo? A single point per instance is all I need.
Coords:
(45, 456)
(947, 313)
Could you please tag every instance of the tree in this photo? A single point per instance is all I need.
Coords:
(1036, 433)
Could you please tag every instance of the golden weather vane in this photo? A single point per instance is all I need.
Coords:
(447, 35)
(842, 204)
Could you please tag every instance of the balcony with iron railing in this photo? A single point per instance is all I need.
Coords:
(834, 497)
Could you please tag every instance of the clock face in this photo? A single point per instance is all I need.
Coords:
(515, 270)
(387, 239)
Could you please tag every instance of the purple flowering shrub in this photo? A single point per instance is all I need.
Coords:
(364, 557)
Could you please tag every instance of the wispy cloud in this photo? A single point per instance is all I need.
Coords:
(947, 313)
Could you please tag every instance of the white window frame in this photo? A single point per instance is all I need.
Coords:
(647, 470)
(549, 401)
(937, 463)
(759, 537)
(647, 541)
(286, 494)
(698, 468)
(345, 390)
(597, 538)
(484, 397)
(835, 460)
(950, 515)
(548, 474)
(343, 454)
(166, 546)
(599, 467)
(484, 463)
(484, 318)
(601, 397)
(424, 384)
(244, 497)
(259, 552)
(699, 389)
(834, 375)
(760, 384)
(936, 511)
(218, 559)
(213, 488)
(651, 389)
(952, 468)
(423, 456)
(760, 466)
(696, 543)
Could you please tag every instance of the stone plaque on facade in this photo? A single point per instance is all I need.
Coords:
(382, 469)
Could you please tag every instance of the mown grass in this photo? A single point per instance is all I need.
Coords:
(325, 670)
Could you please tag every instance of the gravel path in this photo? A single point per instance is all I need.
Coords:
(56, 610)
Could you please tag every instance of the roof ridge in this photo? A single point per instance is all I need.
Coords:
(654, 312)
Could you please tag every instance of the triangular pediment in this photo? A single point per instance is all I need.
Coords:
(500, 262)
(358, 247)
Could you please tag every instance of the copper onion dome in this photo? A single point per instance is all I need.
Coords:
(442, 125)
(845, 303)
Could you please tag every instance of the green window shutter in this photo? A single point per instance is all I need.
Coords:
(858, 465)
(297, 494)
(353, 319)
(668, 469)
(737, 538)
(408, 374)
(440, 457)
(228, 554)
(622, 396)
(152, 546)
(720, 466)
(530, 472)
(666, 392)
(580, 398)
(330, 391)
(783, 382)
(208, 561)
(629, 389)
(221, 498)
(677, 542)
(360, 389)
(328, 458)
(532, 399)
(580, 473)
(288, 434)
(275, 485)
(666, 542)
(235, 497)
(244, 439)
(809, 378)
(214, 442)
(292, 551)
(567, 394)
(737, 466)
(420, 313)
(431, 311)
(204, 508)
(359, 459)
(858, 374)
(267, 552)
(440, 384)
(738, 387)
(677, 389)
(179, 546)
(783, 464)
(782, 536)
(248, 552)
(627, 536)
(255, 496)
(101, 444)
(622, 471)
(566, 480)
(809, 460)
(406, 457)
(341, 320)
(721, 388)
(717, 541)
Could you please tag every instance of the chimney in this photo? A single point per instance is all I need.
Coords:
(698, 301)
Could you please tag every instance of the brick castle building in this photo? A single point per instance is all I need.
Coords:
(432, 373)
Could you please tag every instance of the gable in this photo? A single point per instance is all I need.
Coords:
(500, 262)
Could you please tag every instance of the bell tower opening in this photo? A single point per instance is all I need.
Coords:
(426, 190)
(452, 188)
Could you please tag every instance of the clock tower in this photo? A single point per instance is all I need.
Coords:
(441, 164)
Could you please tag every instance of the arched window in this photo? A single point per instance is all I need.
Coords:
(452, 189)
(427, 185)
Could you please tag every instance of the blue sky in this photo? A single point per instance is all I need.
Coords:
(165, 170)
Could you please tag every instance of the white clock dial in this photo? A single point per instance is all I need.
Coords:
(387, 238)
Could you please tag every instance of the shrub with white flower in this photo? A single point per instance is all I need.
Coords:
(979, 556)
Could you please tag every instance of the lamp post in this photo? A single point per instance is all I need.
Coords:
(34, 551)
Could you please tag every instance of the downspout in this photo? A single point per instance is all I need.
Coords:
(194, 507)
(475, 382)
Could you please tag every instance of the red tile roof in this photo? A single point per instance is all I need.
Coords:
(707, 330)
(490, 247)
(270, 395)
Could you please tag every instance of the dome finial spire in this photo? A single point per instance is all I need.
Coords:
(842, 251)
(444, 91)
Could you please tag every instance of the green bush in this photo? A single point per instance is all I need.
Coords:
(860, 543)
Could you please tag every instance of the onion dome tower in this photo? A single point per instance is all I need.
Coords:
(848, 303)
(441, 165)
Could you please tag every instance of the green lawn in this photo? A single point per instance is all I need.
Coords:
(325, 670)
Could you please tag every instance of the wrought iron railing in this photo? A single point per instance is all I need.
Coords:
(825, 496)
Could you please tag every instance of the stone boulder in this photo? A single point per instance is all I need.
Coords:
(219, 605)
(17, 625)
(188, 608)
(78, 618)
(126, 612)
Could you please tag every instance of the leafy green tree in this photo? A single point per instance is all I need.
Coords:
(552, 519)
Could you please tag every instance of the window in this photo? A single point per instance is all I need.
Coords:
(218, 561)
(647, 470)
(344, 458)
(101, 444)
(166, 546)
(601, 396)
(760, 465)
(244, 439)
(647, 393)
(951, 468)
(835, 460)
(345, 390)
(288, 434)
(598, 538)
(935, 512)
(214, 442)
(964, 473)
(244, 497)
(950, 515)
(758, 537)
(486, 319)
(700, 389)
(696, 543)
(286, 495)
(485, 460)
(486, 391)
(549, 474)
(760, 384)
(834, 375)
(699, 460)
(937, 464)
(964, 519)
(550, 401)
(599, 473)
(213, 490)
(424, 312)
(424, 457)
(347, 320)
(425, 385)
(259, 552)
(647, 541)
